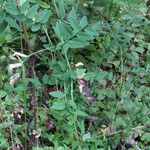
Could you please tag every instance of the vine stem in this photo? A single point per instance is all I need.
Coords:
(72, 97)
(49, 40)
(44, 27)
(68, 61)
(55, 5)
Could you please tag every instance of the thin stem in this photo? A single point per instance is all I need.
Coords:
(65, 91)
(25, 105)
(40, 51)
(50, 42)
(72, 97)
(68, 61)
(25, 35)
(14, 39)
(55, 5)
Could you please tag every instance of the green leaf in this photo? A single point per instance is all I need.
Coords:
(79, 72)
(32, 11)
(46, 17)
(83, 22)
(67, 127)
(43, 4)
(3, 26)
(43, 16)
(45, 79)
(81, 113)
(101, 76)
(61, 10)
(86, 136)
(72, 18)
(12, 23)
(77, 43)
(145, 137)
(57, 94)
(21, 88)
(86, 36)
(2, 94)
(96, 26)
(58, 106)
(139, 49)
(24, 7)
(35, 82)
(33, 1)
(11, 8)
(35, 27)
(62, 30)
(1, 2)
(9, 100)
(21, 2)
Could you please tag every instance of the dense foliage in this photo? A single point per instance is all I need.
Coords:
(74, 74)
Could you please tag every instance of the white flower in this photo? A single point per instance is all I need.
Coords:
(20, 54)
(79, 64)
(37, 132)
(14, 78)
(81, 88)
(12, 66)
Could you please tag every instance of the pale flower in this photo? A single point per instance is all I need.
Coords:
(14, 78)
(81, 82)
(13, 66)
(83, 87)
(80, 88)
(20, 54)
(79, 64)
(91, 99)
(37, 132)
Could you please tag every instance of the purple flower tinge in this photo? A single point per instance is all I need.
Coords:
(81, 82)
(50, 125)
(85, 90)
(83, 87)
(91, 99)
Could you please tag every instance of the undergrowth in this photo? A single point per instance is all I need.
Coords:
(74, 75)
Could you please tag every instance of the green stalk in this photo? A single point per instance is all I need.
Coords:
(72, 97)
(49, 40)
